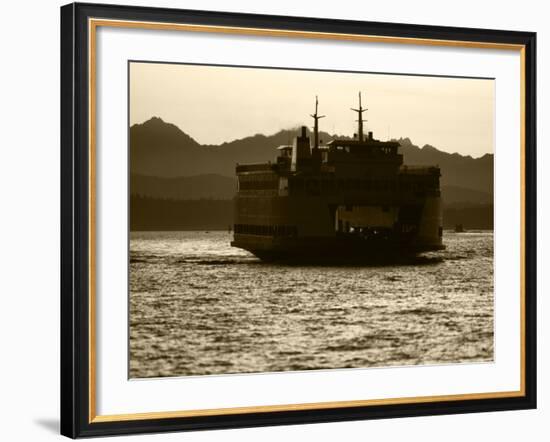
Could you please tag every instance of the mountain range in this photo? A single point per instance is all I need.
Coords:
(163, 150)
(166, 162)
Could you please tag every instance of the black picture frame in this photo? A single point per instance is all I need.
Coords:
(75, 220)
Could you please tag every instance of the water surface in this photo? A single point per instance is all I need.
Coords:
(199, 306)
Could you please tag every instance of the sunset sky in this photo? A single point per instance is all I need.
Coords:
(214, 104)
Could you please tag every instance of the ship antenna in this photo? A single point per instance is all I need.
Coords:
(360, 118)
(316, 117)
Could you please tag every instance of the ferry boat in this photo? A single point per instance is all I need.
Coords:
(347, 200)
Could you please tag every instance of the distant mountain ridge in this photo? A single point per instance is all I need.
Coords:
(162, 150)
(456, 170)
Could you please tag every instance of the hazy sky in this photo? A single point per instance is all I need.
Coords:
(214, 104)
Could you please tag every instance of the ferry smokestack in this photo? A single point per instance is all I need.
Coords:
(301, 151)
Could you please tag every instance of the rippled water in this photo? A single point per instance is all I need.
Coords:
(199, 306)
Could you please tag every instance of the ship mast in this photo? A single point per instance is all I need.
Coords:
(360, 116)
(316, 117)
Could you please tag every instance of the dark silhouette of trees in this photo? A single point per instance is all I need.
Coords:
(168, 214)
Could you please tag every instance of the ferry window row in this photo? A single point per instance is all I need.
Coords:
(259, 182)
(358, 184)
(266, 230)
(342, 184)
(366, 150)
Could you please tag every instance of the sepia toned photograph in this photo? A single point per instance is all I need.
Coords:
(288, 220)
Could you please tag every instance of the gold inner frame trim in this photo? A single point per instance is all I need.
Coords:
(93, 24)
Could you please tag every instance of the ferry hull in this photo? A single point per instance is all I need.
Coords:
(332, 250)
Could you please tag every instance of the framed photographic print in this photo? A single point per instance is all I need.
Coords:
(275, 220)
